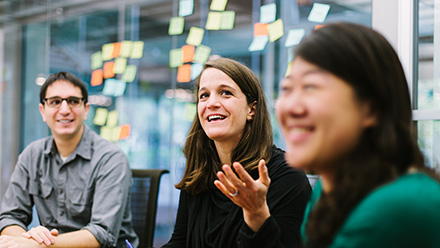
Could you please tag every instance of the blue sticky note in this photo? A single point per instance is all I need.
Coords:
(294, 37)
(268, 13)
(196, 68)
(259, 43)
(186, 7)
(318, 13)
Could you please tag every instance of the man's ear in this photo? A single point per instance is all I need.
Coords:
(42, 112)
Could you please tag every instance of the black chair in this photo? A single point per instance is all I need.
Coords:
(144, 194)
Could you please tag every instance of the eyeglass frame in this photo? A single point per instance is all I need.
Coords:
(82, 99)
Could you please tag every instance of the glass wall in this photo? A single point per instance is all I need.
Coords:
(140, 94)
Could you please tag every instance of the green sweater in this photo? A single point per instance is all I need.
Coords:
(403, 213)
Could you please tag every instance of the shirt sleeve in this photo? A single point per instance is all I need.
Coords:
(178, 238)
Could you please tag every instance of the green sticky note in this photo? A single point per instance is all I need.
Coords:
(214, 20)
(228, 20)
(120, 65)
(100, 116)
(186, 7)
(112, 119)
(202, 54)
(218, 5)
(126, 47)
(190, 111)
(138, 50)
(96, 60)
(176, 57)
(276, 30)
(107, 51)
(115, 133)
(129, 73)
(268, 13)
(176, 25)
(195, 36)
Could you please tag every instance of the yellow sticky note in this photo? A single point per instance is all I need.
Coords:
(202, 54)
(138, 50)
(120, 65)
(112, 119)
(126, 47)
(218, 5)
(106, 133)
(176, 25)
(129, 73)
(195, 36)
(176, 57)
(228, 20)
(107, 51)
(115, 133)
(190, 111)
(214, 20)
(100, 116)
(289, 67)
(96, 60)
(276, 30)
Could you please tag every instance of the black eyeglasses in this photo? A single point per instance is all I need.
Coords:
(55, 101)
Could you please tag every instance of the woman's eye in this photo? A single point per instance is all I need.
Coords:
(226, 92)
(203, 95)
(309, 86)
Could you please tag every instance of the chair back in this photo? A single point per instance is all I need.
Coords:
(144, 193)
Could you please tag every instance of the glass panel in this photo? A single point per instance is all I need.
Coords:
(429, 142)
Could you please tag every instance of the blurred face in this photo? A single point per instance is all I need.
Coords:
(320, 117)
(222, 109)
(65, 122)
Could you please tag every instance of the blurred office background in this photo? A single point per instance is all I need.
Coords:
(40, 37)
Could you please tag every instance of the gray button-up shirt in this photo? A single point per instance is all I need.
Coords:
(90, 190)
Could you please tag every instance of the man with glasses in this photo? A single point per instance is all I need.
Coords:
(78, 181)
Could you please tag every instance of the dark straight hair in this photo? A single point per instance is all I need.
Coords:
(64, 76)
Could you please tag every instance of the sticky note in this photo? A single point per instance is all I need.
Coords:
(202, 54)
(176, 57)
(188, 53)
(119, 88)
(289, 68)
(268, 13)
(112, 118)
(96, 77)
(184, 73)
(120, 65)
(259, 43)
(186, 7)
(115, 133)
(176, 25)
(261, 29)
(196, 68)
(318, 27)
(218, 5)
(110, 87)
(195, 36)
(228, 20)
(294, 37)
(96, 60)
(124, 131)
(116, 49)
(100, 116)
(214, 21)
(318, 13)
(108, 69)
(276, 30)
(190, 111)
(126, 47)
(129, 73)
(107, 51)
(138, 50)
(106, 133)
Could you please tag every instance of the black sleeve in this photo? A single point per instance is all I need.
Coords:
(178, 239)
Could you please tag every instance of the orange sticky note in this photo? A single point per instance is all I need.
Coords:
(188, 53)
(108, 69)
(261, 29)
(96, 78)
(116, 49)
(318, 26)
(124, 131)
(184, 73)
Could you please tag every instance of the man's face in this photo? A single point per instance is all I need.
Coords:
(65, 121)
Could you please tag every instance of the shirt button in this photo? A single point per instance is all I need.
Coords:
(61, 191)
(62, 213)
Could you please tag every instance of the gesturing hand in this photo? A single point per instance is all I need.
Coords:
(246, 192)
(41, 234)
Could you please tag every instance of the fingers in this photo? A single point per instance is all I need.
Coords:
(41, 235)
(263, 172)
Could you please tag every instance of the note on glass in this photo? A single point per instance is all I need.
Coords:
(129, 73)
(106, 133)
(116, 49)
(126, 47)
(186, 7)
(261, 29)
(96, 78)
(107, 51)
(176, 25)
(96, 60)
(202, 54)
(228, 20)
(112, 118)
(176, 58)
(289, 68)
(138, 50)
(195, 36)
(268, 13)
(214, 20)
(124, 131)
(108, 69)
(120, 65)
(115, 133)
(196, 68)
(259, 43)
(318, 13)
(190, 111)
(110, 86)
(188, 53)
(219, 5)
(294, 37)
(184, 73)
(120, 88)
(276, 30)
(100, 116)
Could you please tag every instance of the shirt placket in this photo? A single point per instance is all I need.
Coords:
(61, 198)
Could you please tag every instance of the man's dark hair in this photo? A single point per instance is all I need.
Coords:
(64, 76)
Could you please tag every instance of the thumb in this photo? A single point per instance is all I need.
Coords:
(264, 174)
(54, 232)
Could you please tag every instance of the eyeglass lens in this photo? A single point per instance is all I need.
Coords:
(57, 101)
